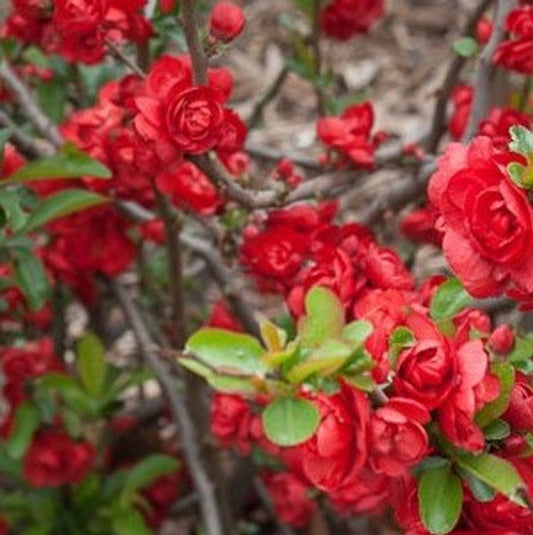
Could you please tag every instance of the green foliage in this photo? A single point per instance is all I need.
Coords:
(31, 278)
(440, 499)
(26, 423)
(449, 299)
(466, 47)
(290, 421)
(91, 364)
(69, 162)
(490, 411)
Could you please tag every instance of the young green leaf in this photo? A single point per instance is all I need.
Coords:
(357, 331)
(497, 430)
(91, 364)
(324, 317)
(449, 299)
(466, 47)
(61, 204)
(225, 350)
(440, 499)
(521, 140)
(129, 521)
(290, 421)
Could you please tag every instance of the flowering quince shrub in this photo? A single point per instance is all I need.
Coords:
(376, 393)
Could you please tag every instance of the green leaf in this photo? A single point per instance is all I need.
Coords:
(495, 472)
(521, 140)
(225, 350)
(289, 421)
(13, 213)
(440, 499)
(481, 491)
(61, 204)
(145, 472)
(490, 411)
(31, 277)
(466, 47)
(52, 97)
(357, 331)
(324, 317)
(91, 364)
(69, 162)
(429, 463)
(399, 339)
(522, 350)
(497, 430)
(449, 299)
(26, 423)
(129, 521)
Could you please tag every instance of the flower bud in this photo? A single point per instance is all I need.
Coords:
(226, 21)
(502, 339)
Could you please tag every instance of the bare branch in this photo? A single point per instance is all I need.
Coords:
(26, 145)
(130, 63)
(485, 68)
(196, 50)
(270, 94)
(450, 80)
(180, 412)
(39, 119)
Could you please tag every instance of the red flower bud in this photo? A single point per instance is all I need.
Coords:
(226, 21)
(502, 339)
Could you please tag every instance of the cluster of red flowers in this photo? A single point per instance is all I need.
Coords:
(343, 19)
(361, 454)
(495, 125)
(77, 29)
(516, 53)
(296, 248)
(19, 366)
(350, 136)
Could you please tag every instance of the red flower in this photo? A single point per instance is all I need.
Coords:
(190, 188)
(419, 225)
(385, 270)
(487, 220)
(339, 445)
(350, 134)
(226, 21)
(54, 459)
(483, 29)
(342, 19)
(502, 339)
(426, 372)
(290, 498)
(222, 317)
(230, 421)
(77, 17)
(397, 439)
(519, 414)
(516, 53)
(194, 118)
(276, 253)
(462, 96)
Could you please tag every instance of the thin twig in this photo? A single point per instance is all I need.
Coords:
(485, 68)
(180, 412)
(220, 273)
(196, 50)
(317, 53)
(26, 145)
(172, 224)
(270, 94)
(450, 80)
(38, 118)
(115, 50)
